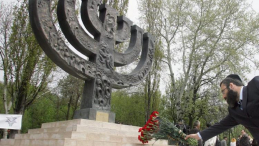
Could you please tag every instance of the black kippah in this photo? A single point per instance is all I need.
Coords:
(235, 77)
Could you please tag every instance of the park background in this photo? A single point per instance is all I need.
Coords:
(198, 43)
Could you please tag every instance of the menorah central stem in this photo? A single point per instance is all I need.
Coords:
(97, 92)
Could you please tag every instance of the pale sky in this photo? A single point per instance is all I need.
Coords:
(133, 10)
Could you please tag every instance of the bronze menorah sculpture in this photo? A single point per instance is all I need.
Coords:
(107, 29)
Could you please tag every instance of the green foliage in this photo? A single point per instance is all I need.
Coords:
(2, 110)
(71, 90)
(49, 108)
(168, 130)
(39, 113)
(129, 109)
(29, 68)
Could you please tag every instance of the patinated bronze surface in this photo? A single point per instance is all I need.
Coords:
(108, 29)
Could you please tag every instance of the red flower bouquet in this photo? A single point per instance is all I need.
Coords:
(160, 128)
(150, 127)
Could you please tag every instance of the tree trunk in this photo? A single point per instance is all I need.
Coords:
(68, 106)
(75, 107)
(7, 108)
(5, 105)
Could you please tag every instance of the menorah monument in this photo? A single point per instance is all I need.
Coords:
(107, 29)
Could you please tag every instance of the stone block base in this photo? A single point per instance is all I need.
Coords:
(80, 132)
(93, 114)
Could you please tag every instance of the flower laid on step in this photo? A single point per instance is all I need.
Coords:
(161, 128)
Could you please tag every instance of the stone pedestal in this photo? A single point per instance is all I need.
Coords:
(93, 114)
(80, 132)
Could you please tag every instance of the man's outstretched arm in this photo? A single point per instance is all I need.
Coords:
(195, 136)
(223, 125)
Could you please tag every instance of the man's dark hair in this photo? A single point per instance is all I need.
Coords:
(208, 124)
(234, 76)
(244, 141)
(224, 137)
(227, 81)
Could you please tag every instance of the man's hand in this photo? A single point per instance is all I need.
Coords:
(195, 136)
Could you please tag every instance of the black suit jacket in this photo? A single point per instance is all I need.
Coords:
(248, 117)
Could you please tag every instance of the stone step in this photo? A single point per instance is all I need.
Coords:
(55, 129)
(123, 131)
(62, 123)
(7, 142)
(26, 142)
(132, 131)
(79, 135)
(73, 142)
(89, 123)
(42, 136)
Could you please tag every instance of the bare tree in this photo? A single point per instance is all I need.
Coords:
(150, 10)
(6, 20)
(26, 68)
(203, 40)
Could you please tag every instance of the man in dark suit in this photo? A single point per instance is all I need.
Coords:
(196, 128)
(243, 108)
